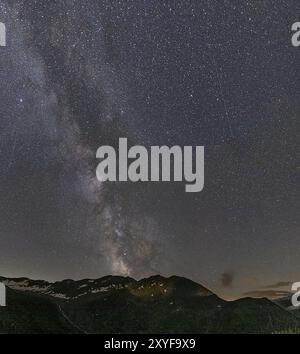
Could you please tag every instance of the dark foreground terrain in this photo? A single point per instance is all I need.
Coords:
(123, 305)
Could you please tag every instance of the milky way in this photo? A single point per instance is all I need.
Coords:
(76, 75)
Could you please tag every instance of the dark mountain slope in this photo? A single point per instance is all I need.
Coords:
(30, 313)
(124, 305)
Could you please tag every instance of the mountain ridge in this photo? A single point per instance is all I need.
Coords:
(72, 289)
(114, 304)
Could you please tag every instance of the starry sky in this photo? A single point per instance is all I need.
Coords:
(76, 75)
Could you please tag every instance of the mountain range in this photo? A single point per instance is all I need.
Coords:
(115, 304)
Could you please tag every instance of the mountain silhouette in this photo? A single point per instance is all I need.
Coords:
(115, 304)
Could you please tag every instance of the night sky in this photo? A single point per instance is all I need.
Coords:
(76, 75)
